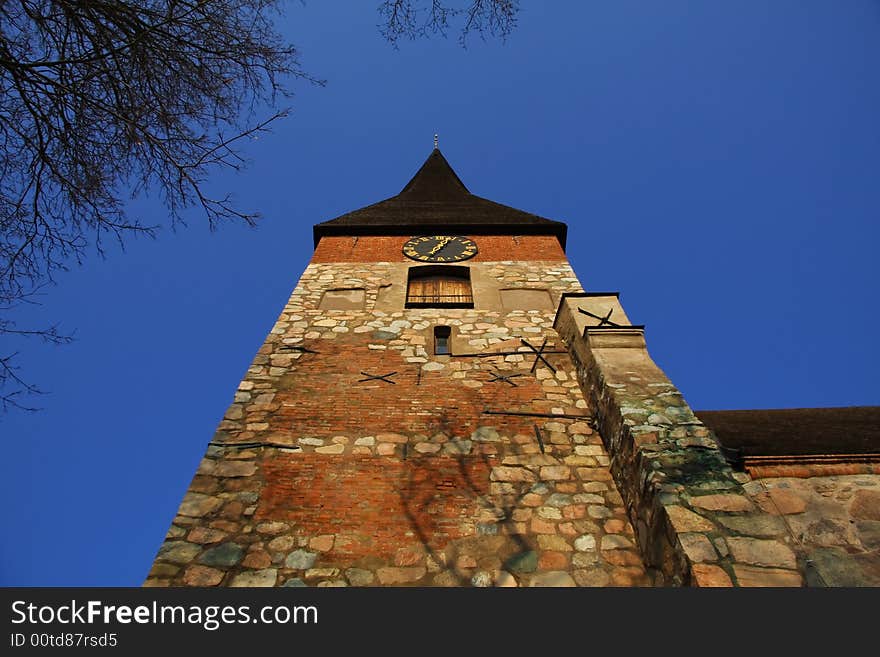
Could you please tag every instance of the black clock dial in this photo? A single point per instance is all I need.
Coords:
(440, 248)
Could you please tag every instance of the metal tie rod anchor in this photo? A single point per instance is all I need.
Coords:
(379, 377)
(538, 355)
(603, 321)
(506, 378)
(299, 348)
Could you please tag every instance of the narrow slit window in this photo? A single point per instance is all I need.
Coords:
(441, 340)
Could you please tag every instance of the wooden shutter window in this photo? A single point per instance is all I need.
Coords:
(437, 289)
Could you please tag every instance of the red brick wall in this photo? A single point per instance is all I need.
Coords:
(325, 396)
(374, 506)
(492, 248)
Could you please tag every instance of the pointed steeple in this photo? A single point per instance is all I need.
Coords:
(435, 200)
(434, 181)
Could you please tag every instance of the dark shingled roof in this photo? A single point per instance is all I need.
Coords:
(797, 431)
(436, 201)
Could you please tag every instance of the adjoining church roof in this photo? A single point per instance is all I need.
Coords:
(436, 201)
(797, 431)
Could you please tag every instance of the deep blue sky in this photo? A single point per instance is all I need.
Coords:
(717, 163)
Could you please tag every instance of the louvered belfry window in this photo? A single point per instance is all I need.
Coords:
(439, 287)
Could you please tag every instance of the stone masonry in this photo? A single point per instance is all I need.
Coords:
(696, 523)
(480, 468)
(832, 521)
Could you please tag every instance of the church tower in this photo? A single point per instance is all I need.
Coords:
(435, 406)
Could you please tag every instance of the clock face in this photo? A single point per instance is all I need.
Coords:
(440, 248)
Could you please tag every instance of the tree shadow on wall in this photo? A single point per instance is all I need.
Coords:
(461, 525)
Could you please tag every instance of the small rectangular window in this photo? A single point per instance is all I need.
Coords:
(441, 340)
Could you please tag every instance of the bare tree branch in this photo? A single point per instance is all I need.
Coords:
(102, 99)
(415, 19)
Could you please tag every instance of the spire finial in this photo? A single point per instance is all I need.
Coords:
(436, 141)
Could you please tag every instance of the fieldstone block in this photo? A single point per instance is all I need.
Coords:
(197, 505)
(300, 559)
(258, 559)
(865, 505)
(505, 580)
(762, 526)
(549, 513)
(761, 552)
(598, 512)
(225, 554)
(391, 576)
(505, 473)
(281, 543)
(204, 535)
(164, 570)
(323, 543)
(780, 501)
(708, 576)
(359, 577)
(869, 534)
(591, 578)
(558, 500)
(752, 576)
(206, 467)
(178, 551)
(555, 473)
(685, 520)
(330, 449)
(835, 567)
(256, 578)
(524, 562)
(486, 434)
(272, 528)
(585, 543)
(722, 502)
(615, 542)
(555, 578)
(697, 547)
(391, 438)
(540, 526)
(202, 576)
(555, 543)
(482, 579)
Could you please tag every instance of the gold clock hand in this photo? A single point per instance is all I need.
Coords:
(443, 242)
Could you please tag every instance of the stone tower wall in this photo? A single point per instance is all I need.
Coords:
(443, 473)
